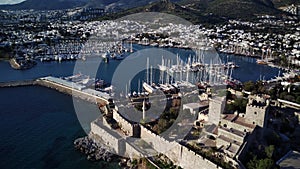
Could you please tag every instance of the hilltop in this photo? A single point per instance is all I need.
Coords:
(208, 11)
(246, 9)
(196, 11)
(229, 8)
(169, 7)
(115, 5)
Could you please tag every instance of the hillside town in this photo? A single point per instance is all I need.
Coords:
(63, 33)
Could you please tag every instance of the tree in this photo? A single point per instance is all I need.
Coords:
(260, 86)
(298, 100)
(266, 163)
(273, 93)
(162, 125)
(272, 137)
(249, 86)
(289, 98)
(269, 151)
(240, 104)
(252, 164)
(282, 95)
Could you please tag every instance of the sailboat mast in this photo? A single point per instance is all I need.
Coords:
(147, 74)
(151, 78)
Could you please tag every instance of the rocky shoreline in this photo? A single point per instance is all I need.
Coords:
(21, 64)
(97, 151)
(94, 151)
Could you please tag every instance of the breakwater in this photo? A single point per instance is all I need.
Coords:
(18, 83)
(82, 94)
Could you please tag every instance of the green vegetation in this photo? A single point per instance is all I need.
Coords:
(264, 152)
(265, 162)
(166, 120)
(203, 11)
(238, 104)
(255, 88)
(164, 162)
(245, 9)
(289, 93)
(272, 138)
(147, 164)
(242, 9)
(168, 7)
(141, 163)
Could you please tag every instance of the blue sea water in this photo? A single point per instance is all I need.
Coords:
(38, 125)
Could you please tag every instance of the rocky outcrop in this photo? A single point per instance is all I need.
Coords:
(93, 150)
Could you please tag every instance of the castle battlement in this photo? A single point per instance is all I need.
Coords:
(257, 106)
(257, 109)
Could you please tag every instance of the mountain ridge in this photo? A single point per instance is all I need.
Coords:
(193, 10)
(126, 4)
(44, 5)
(207, 11)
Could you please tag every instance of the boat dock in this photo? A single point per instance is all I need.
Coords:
(63, 86)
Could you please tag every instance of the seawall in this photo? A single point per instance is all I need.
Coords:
(61, 88)
(17, 83)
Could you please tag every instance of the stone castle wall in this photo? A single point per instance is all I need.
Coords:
(176, 152)
(108, 137)
(124, 124)
(114, 140)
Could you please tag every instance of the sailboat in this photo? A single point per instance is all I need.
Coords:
(262, 61)
(146, 84)
(162, 67)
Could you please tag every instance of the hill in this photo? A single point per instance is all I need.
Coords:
(166, 6)
(118, 4)
(281, 3)
(196, 11)
(228, 8)
(115, 5)
(209, 11)
(44, 4)
(246, 9)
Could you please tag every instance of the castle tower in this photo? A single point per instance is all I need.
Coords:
(256, 111)
(216, 108)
